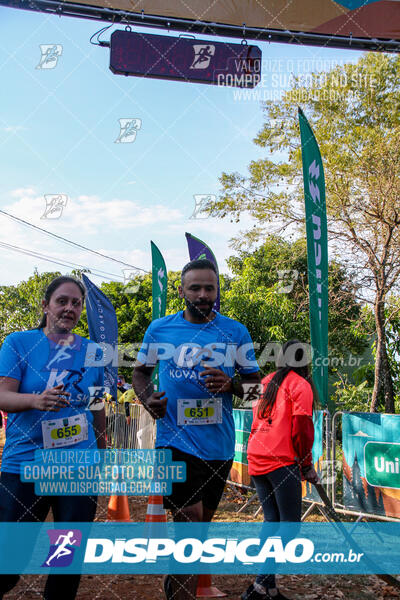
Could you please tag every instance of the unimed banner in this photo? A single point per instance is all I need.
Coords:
(371, 457)
(243, 419)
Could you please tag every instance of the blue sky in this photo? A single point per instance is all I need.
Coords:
(57, 136)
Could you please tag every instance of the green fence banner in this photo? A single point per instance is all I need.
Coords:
(371, 463)
(317, 254)
(159, 291)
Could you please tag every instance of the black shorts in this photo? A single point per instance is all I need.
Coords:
(205, 481)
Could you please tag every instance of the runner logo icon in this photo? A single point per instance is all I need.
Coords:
(203, 54)
(62, 547)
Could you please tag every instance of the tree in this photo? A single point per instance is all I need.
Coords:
(21, 305)
(269, 294)
(278, 307)
(354, 112)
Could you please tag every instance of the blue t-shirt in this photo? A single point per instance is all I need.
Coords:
(179, 347)
(39, 363)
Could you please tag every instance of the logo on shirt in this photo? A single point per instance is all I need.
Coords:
(59, 357)
(184, 374)
(62, 353)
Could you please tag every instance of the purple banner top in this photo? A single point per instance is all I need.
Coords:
(198, 250)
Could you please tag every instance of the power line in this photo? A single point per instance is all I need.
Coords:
(67, 264)
(59, 237)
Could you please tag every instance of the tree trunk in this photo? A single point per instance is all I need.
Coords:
(383, 377)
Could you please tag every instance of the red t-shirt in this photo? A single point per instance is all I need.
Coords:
(271, 441)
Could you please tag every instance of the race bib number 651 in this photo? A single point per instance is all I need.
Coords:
(193, 411)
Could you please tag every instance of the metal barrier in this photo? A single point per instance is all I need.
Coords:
(134, 431)
(360, 497)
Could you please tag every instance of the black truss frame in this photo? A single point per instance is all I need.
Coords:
(113, 15)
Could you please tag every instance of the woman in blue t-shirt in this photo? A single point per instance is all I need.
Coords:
(45, 389)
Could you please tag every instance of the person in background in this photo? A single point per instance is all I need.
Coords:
(126, 396)
(280, 444)
(46, 389)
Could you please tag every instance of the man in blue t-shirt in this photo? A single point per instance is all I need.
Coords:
(203, 359)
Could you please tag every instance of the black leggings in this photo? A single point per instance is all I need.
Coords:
(19, 503)
(280, 495)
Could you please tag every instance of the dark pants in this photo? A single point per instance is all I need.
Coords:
(280, 495)
(18, 502)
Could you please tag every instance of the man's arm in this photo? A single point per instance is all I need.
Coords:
(154, 402)
(218, 381)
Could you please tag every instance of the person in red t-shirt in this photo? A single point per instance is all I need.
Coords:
(279, 449)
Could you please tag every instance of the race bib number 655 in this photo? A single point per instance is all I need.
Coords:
(65, 432)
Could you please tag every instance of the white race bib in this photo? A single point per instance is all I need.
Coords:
(206, 411)
(64, 432)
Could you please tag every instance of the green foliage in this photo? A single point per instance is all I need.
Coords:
(273, 308)
(393, 343)
(21, 305)
(276, 308)
(350, 397)
(354, 113)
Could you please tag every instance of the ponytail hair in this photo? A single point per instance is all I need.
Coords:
(53, 286)
(292, 357)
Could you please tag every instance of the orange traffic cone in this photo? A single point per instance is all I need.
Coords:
(155, 510)
(205, 589)
(118, 509)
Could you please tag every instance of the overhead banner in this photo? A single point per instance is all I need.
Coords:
(103, 327)
(317, 254)
(199, 250)
(368, 24)
(159, 277)
(371, 457)
(184, 59)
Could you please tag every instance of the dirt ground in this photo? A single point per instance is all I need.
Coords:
(145, 587)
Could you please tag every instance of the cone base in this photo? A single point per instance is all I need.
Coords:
(112, 519)
(209, 592)
(156, 519)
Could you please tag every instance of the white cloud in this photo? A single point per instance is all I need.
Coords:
(118, 228)
(14, 128)
(25, 192)
(89, 214)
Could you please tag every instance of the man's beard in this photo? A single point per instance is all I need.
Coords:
(197, 312)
